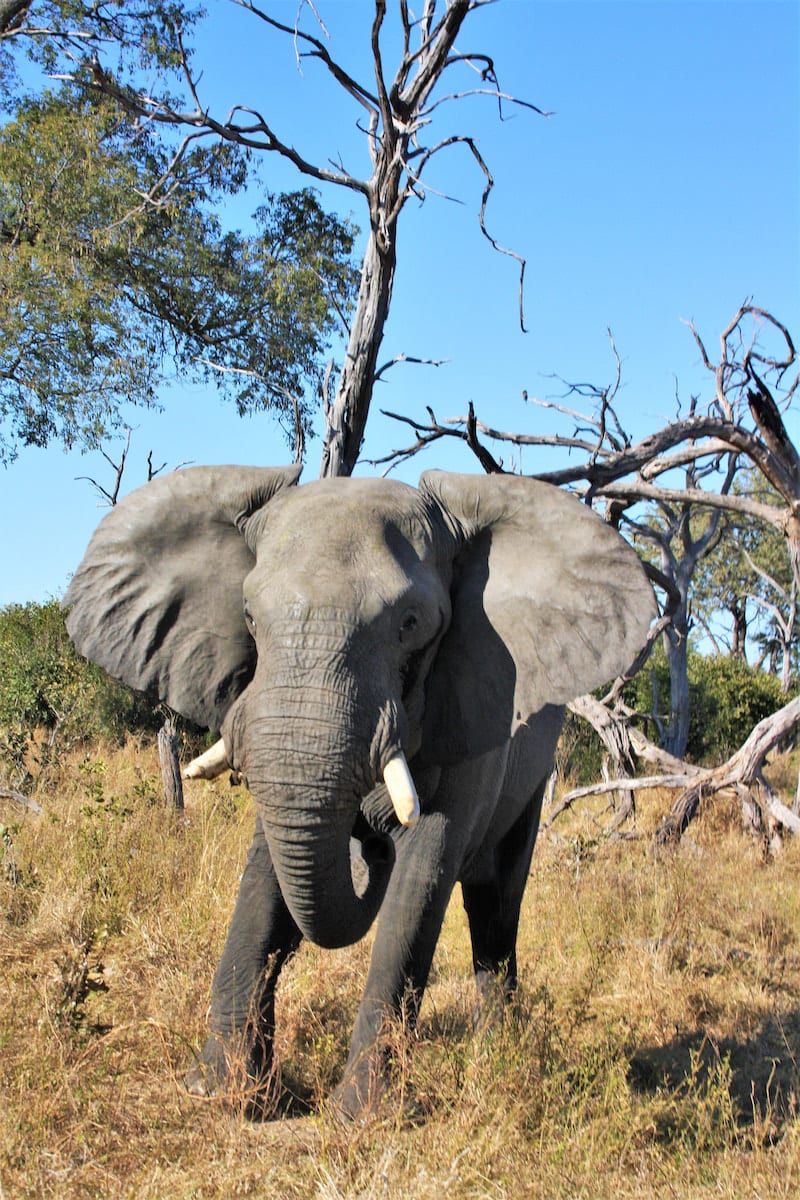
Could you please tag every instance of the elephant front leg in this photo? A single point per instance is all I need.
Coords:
(237, 1056)
(493, 903)
(410, 921)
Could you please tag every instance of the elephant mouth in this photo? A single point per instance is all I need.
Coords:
(369, 849)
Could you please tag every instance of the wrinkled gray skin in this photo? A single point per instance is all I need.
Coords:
(325, 628)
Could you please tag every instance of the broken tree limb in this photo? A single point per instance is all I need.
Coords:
(23, 801)
(743, 771)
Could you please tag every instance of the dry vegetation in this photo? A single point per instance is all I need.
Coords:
(655, 1049)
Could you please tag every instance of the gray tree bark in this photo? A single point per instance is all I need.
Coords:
(170, 764)
(346, 418)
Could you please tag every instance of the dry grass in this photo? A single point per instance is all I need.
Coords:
(655, 1048)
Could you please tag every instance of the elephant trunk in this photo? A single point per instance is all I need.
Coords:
(316, 879)
(310, 756)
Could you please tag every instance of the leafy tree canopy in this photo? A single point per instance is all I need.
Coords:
(748, 576)
(59, 34)
(117, 270)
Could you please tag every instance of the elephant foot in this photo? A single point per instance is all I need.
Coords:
(350, 1105)
(395, 1105)
(371, 1092)
(228, 1070)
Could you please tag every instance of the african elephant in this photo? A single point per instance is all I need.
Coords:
(386, 664)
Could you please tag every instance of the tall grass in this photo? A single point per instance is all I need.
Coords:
(654, 1048)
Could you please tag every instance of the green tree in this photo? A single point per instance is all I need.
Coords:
(45, 32)
(748, 580)
(104, 48)
(116, 272)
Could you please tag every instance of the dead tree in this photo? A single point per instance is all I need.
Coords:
(742, 773)
(681, 546)
(168, 757)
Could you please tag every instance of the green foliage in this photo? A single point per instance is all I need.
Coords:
(727, 699)
(45, 686)
(580, 752)
(52, 33)
(117, 274)
(749, 578)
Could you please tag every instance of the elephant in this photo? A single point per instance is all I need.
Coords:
(388, 667)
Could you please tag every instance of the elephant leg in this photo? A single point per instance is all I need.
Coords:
(262, 935)
(493, 904)
(409, 924)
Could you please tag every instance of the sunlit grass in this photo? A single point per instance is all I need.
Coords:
(654, 1049)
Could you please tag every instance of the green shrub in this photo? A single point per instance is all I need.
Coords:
(579, 756)
(727, 698)
(46, 686)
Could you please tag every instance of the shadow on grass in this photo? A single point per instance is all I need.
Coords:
(295, 1100)
(763, 1067)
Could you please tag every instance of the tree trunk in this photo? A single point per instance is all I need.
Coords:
(676, 635)
(676, 736)
(170, 764)
(347, 416)
(738, 612)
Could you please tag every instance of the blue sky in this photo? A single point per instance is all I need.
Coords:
(664, 187)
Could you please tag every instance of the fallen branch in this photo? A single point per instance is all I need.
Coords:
(742, 773)
(24, 801)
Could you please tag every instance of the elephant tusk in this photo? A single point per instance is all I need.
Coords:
(402, 792)
(210, 764)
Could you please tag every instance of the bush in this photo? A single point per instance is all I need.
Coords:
(46, 686)
(579, 757)
(727, 698)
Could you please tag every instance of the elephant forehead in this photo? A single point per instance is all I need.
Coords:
(379, 533)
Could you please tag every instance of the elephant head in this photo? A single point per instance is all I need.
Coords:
(337, 631)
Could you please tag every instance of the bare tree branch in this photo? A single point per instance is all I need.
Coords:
(111, 495)
(408, 358)
(489, 464)
(427, 435)
(24, 801)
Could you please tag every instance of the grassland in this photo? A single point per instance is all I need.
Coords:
(654, 1049)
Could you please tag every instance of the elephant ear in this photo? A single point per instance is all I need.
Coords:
(548, 602)
(157, 600)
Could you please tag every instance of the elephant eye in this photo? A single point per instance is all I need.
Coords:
(249, 621)
(408, 625)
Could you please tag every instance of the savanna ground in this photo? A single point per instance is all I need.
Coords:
(654, 1048)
